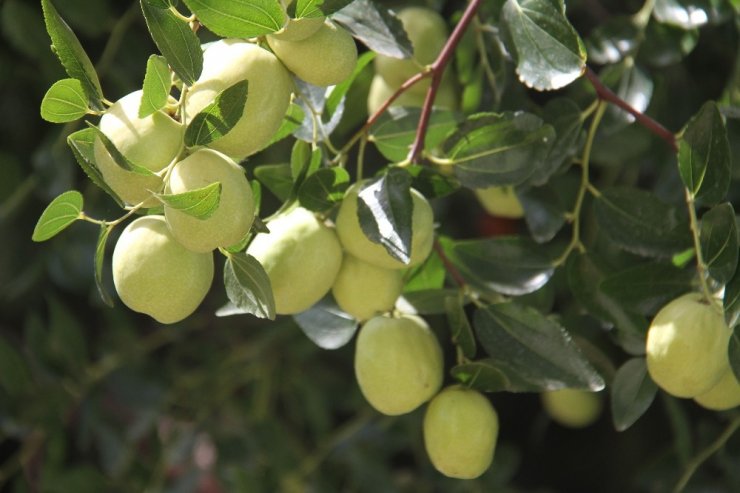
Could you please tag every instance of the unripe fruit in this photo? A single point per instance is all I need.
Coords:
(364, 290)
(299, 29)
(572, 407)
(687, 346)
(460, 432)
(301, 255)
(151, 142)
(325, 58)
(233, 217)
(500, 202)
(356, 243)
(724, 395)
(398, 363)
(228, 61)
(380, 91)
(156, 275)
(427, 32)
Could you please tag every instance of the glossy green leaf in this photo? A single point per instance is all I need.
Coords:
(564, 116)
(426, 301)
(394, 132)
(485, 376)
(99, 259)
(549, 53)
(121, 161)
(543, 212)
(324, 188)
(377, 27)
(719, 242)
(704, 159)
(689, 14)
(384, 209)
(639, 222)
(231, 19)
(305, 9)
(326, 324)
(632, 392)
(200, 203)
(524, 344)
(60, 213)
(430, 182)
(176, 41)
(65, 101)
(613, 40)
(73, 57)
(219, 117)
(248, 286)
(646, 287)
(430, 274)
(157, 84)
(460, 329)
(82, 144)
(277, 178)
(490, 149)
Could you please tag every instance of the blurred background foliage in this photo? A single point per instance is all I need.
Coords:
(97, 399)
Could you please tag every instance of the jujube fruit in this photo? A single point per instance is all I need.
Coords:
(573, 408)
(500, 201)
(724, 395)
(364, 290)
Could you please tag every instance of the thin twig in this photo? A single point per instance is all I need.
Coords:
(448, 265)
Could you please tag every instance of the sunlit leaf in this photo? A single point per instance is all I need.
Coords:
(65, 101)
(231, 19)
(157, 85)
(219, 117)
(60, 213)
(200, 203)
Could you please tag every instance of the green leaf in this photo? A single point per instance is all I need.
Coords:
(430, 182)
(543, 212)
(65, 101)
(176, 41)
(336, 98)
(484, 376)
(395, 131)
(219, 117)
(377, 27)
(305, 9)
(733, 351)
(231, 19)
(323, 189)
(511, 265)
(82, 144)
(490, 149)
(99, 258)
(429, 275)
(291, 122)
(525, 345)
(719, 242)
(277, 178)
(731, 301)
(326, 324)
(632, 392)
(384, 209)
(460, 329)
(302, 160)
(120, 160)
(426, 301)
(666, 45)
(613, 40)
(704, 159)
(645, 288)
(248, 286)
(60, 213)
(565, 117)
(157, 83)
(73, 57)
(548, 52)
(637, 221)
(689, 14)
(200, 203)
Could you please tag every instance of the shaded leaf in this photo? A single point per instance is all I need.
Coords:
(632, 392)
(430, 182)
(277, 178)
(60, 213)
(395, 131)
(82, 144)
(731, 301)
(689, 14)
(156, 87)
(200, 203)
(313, 100)
(248, 286)
(231, 19)
(377, 27)
(99, 258)
(565, 117)
(484, 376)
(426, 301)
(335, 100)
(613, 40)
(719, 242)
(326, 324)
(429, 275)
(323, 189)
(543, 212)
(733, 351)
(460, 328)
(646, 287)
(65, 101)
(219, 117)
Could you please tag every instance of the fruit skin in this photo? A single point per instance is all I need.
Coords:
(156, 275)
(724, 395)
(398, 363)
(151, 142)
(364, 290)
(500, 201)
(572, 407)
(356, 243)
(325, 58)
(460, 432)
(380, 91)
(231, 221)
(299, 29)
(301, 256)
(228, 61)
(687, 346)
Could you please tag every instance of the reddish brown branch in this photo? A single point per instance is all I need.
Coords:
(448, 265)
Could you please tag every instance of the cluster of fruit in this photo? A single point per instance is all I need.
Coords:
(687, 352)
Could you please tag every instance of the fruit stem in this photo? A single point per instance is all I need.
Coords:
(701, 266)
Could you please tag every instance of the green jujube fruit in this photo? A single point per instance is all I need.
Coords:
(573, 408)
(500, 201)
(414, 97)
(364, 290)
(724, 395)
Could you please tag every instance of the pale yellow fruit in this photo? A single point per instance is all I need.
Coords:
(724, 395)
(398, 363)
(234, 215)
(151, 142)
(427, 32)
(380, 91)
(156, 275)
(228, 61)
(500, 201)
(356, 243)
(460, 432)
(325, 58)
(302, 257)
(572, 407)
(364, 290)
(687, 346)
(298, 29)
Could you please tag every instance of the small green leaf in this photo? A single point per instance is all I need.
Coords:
(248, 286)
(72, 55)
(277, 178)
(429, 275)
(484, 376)
(323, 189)
(65, 101)
(200, 203)
(632, 392)
(303, 160)
(120, 160)
(543, 212)
(60, 213)
(176, 41)
(704, 159)
(82, 144)
(646, 287)
(395, 131)
(99, 258)
(613, 40)
(719, 242)
(219, 117)
(548, 52)
(231, 19)
(377, 27)
(460, 329)
(426, 301)
(564, 116)
(301, 9)
(157, 83)
(326, 324)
